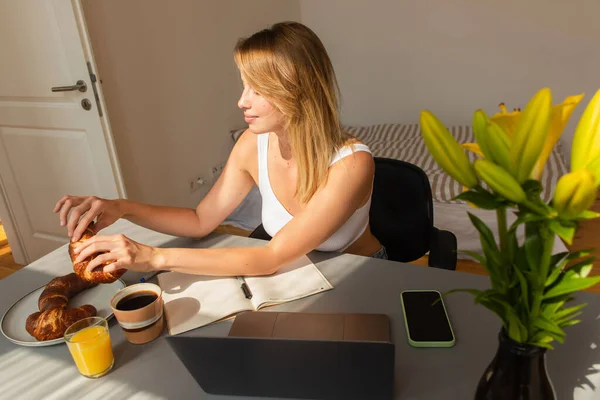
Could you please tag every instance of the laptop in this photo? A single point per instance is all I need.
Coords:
(294, 355)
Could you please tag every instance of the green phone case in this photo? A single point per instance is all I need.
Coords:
(427, 344)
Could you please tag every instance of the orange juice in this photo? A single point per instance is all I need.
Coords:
(91, 350)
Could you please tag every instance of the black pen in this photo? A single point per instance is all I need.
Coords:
(245, 287)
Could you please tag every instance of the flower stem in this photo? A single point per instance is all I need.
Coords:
(502, 229)
(542, 275)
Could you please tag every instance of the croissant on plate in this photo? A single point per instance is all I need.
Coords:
(97, 275)
(52, 323)
(54, 316)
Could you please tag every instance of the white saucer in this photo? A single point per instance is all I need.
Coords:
(13, 321)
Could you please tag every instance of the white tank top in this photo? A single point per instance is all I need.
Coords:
(275, 216)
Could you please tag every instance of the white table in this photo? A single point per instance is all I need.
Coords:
(152, 371)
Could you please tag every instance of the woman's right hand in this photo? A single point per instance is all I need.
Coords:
(84, 209)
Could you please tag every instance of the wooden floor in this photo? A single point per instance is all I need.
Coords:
(588, 236)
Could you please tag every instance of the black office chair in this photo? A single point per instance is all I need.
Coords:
(401, 216)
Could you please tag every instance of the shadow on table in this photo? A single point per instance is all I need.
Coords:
(574, 367)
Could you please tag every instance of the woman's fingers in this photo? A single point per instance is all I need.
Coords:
(65, 206)
(101, 259)
(75, 224)
(114, 266)
(96, 244)
(92, 210)
(117, 250)
(59, 204)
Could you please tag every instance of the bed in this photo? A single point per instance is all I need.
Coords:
(404, 142)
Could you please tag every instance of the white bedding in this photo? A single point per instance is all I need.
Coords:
(404, 142)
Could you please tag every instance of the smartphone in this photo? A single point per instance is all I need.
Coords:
(427, 323)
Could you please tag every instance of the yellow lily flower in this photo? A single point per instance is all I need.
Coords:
(558, 120)
(507, 120)
(575, 192)
(559, 117)
(473, 147)
(586, 140)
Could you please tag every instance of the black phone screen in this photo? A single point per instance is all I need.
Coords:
(427, 322)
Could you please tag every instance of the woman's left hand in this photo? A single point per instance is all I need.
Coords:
(119, 251)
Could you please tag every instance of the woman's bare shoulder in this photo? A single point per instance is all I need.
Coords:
(245, 149)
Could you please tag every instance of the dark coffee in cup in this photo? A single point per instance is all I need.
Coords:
(139, 310)
(136, 300)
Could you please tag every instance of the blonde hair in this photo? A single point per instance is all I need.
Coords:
(289, 66)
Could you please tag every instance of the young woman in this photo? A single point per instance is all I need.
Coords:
(315, 180)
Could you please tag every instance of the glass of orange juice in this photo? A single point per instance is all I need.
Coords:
(89, 343)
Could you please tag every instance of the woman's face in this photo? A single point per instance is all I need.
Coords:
(260, 114)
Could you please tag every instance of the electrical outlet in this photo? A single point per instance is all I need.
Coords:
(195, 183)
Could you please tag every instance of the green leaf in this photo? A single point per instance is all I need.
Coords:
(516, 329)
(525, 217)
(476, 256)
(513, 246)
(550, 327)
(551, 306)
(581, 269)
(579, 254)
(565, 232)
(484, 200)
(494, 267)
(541, 344)
(524, 288)
(496, 301)
(571, 285)
(557, 337)
(561, 259)
(522, 261)
(553, 276)
(542, 339)
(485, 233)
(568, 313)
(496, 309)
(494, 259)
(493, 301)
(542, 336)
(474, 292)
(569, 323)
(533, 247)
(555, 259)
(587, 214)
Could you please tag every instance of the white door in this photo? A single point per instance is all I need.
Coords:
(52, 143)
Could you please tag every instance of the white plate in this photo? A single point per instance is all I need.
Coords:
(13, 322)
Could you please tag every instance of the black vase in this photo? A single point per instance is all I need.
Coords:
(517, 372)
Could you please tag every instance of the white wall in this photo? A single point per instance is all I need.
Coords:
(394, 58)
(171, 85)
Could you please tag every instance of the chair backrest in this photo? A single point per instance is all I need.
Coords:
(401, 215)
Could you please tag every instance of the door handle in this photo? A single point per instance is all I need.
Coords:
(80, 85)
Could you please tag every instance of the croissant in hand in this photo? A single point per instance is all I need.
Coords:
(97, 275)
(54, 317)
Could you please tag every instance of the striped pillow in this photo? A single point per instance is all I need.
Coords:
(404, 142)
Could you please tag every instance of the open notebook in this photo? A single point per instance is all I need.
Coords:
(192, 301)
